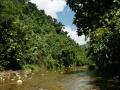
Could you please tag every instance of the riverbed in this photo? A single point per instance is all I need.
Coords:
(78, 79)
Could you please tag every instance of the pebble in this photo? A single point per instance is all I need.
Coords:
(12, 79)
(41, 89)
(19, 82)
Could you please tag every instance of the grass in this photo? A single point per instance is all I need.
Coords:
(32, 67)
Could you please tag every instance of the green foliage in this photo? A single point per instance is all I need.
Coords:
(29, 37)
(105, 45)
(30, 67)
(100, 20)
(89, 12)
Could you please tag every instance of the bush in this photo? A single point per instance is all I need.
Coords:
(92, 67)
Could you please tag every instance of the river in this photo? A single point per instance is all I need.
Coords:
(79, 79)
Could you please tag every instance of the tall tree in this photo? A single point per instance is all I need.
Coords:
(99, 20)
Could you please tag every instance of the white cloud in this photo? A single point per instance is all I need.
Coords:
(51, 7)
(73, 34)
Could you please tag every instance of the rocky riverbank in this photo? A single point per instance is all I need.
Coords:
(15, 76)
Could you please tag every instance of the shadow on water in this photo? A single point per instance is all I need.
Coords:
(107, 84)
(96, 81)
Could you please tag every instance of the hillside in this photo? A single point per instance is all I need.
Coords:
(29, 37)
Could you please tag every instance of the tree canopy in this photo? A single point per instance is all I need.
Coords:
(88, 13)
(100, 21)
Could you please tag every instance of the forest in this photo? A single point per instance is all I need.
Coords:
(28, 38)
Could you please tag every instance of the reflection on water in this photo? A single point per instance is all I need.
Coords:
(55, 80)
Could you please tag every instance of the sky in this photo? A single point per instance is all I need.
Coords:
(59, 10)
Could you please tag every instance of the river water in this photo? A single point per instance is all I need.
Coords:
(60, 80)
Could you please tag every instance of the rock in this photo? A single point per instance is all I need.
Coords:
(19, 82)
(41, 89)
(1, 78)
(12, 79)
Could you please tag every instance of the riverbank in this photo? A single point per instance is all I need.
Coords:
(73, 78)
(27, 72)
(15, 76)
(62, 79)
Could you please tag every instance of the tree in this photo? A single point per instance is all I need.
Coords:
(99, 19)
(88, 13)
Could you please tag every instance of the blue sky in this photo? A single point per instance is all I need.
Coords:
(66, 17)
(59, 10)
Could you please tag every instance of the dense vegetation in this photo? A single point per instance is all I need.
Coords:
(29, 37)
(100, 21)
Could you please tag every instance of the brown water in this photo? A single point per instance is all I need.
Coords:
(56, 80)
